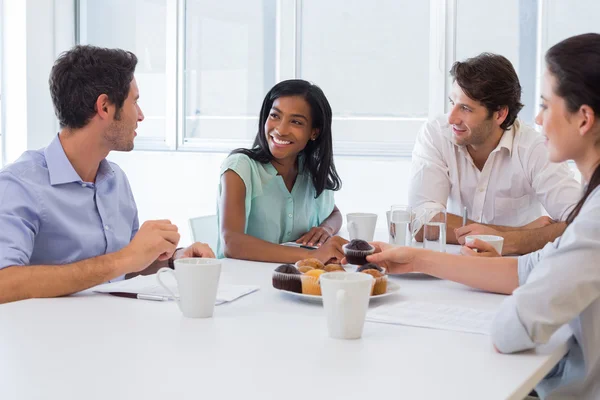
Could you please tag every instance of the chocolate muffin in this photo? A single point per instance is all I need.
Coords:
(287, 277)
(357, 250)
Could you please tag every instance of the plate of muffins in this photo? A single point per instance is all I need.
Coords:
(302, 279)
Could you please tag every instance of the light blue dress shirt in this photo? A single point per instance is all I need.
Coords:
(49, 216)
(273, 213)
(560, 284)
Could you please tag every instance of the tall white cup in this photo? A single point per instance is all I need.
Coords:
(361, 225)
(346, 299)
(197, 282)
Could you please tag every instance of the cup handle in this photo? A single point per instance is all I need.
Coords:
(350, 227)
(161, 283)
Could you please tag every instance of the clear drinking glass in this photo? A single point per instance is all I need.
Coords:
(400, 222)
(434, 228)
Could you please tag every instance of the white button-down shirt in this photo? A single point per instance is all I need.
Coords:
(516, 181)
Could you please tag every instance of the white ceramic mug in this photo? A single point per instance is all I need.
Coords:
(197, 283)
(345, 299)
(361, 226)
(496, 241)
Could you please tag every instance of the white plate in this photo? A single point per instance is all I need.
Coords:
(392, 287)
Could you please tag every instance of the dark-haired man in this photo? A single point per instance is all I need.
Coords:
(68, 217)
(480, 156)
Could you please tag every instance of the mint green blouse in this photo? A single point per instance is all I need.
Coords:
(272, 212)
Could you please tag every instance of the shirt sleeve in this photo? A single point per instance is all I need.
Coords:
(20, 217)
(554, 183)
(241, 164)
(430, 178)
(563, 284)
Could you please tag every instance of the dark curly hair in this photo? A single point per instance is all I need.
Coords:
(82, 74)
(491, 80)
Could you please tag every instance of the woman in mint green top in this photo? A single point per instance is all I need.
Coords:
(281, 190)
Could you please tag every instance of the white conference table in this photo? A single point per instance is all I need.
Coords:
(267, 345)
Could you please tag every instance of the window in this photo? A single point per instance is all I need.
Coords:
(148, 29)
(205, 66)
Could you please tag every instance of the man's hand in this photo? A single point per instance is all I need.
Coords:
(473, 229)
(331, 250)
(195, 250)
(539, 223)
(315, 237)
(484, 249)
(154, 240)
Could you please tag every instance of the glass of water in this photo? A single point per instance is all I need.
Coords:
(434, 228)
(400, 222)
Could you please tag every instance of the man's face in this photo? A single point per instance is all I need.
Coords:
(470, 120)
(121, 132)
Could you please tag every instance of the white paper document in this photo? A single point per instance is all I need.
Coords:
(435, 316)
(147, 285)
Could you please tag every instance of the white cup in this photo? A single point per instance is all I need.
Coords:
(361, 226)
(495, 241)
(346, 299)
(197, 283)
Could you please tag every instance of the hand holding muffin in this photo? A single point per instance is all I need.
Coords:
(395, 259)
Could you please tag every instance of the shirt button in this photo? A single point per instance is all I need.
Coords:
(83, 185)
(107, 227)
(481, 189)
(289, 233)
(290, 215)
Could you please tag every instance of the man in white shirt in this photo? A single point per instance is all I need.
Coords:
(479, 156)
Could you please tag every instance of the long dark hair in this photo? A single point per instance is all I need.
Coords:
(574, 64)
(318, 153)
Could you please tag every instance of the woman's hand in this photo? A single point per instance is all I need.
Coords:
(484, 249)
(315, 237)
(331, 250)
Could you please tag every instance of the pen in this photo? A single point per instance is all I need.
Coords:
(140, 296)
(464, 216)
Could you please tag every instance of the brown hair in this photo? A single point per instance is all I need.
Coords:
(574, 64)
(491, 80)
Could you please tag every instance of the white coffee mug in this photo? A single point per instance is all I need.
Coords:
(496, 241)
(361, 226)
(345, 299)
(197, 283)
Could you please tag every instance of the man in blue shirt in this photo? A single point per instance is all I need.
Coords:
(68, 219)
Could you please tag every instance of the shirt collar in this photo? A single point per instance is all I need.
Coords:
(271, 169)
(61, 170)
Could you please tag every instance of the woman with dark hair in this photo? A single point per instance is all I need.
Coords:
(559, 284)
(281, 189)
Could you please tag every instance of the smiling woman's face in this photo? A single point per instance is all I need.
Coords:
(289, 127)
(558, 125)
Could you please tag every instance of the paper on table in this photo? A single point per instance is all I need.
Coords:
(148, 285)
(435, 316)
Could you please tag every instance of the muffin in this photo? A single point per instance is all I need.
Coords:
(379, 277)
(310, 262)
(334, 268)
(287, 277)
(310, 282)
(305, 268)
(356, 251)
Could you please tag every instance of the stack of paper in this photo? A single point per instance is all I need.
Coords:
(147, 285)
(435, 316)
